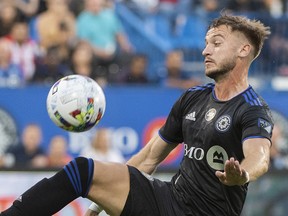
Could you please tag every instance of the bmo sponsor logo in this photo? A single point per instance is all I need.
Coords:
(193, 152)
(215, 156)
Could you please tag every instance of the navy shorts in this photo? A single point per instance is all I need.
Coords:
(149, 197)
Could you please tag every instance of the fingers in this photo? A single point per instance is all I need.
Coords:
(233, 174)
(220, 175)
(232, 167)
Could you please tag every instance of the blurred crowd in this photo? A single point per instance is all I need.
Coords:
(184, 23)
(29, 153)
(275, 8)
(44, 40)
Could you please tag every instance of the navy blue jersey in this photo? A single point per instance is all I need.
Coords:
(211, 132)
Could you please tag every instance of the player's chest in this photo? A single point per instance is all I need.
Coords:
(209, 117)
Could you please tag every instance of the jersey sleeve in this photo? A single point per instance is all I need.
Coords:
(257, 122)
(171, 131)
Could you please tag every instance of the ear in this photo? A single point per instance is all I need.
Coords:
(245, 50)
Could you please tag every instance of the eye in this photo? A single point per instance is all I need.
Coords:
(217, 43)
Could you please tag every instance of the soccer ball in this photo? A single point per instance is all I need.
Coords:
(76, 103)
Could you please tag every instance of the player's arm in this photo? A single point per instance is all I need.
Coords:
(147, 159)
(255, 164)
(257, 157)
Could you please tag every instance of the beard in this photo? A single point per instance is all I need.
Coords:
(222, 70)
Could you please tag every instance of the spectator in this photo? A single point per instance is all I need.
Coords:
(136, 71)
(142, 8)
(58, 154)
(278, 48)
(2, 161)
(56, 26)
(174, 76)
(76, 6)
(50, 68)
(27, 8)
(279, 149)
(210, 5)
(274, 7)
(101, 27)
(176, 13)
(83, 62)
(207, 7)
(277, 161)
(245, 5)
(101, 148)
(8, 15)
(175, 7)
(24, 51)
(10, 74)
(29, 153)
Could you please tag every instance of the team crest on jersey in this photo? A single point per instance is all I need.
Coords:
(210, 114)
(223, 123)
(265, 125)
(216, 157)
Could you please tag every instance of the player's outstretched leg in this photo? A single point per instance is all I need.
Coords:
(50, 195)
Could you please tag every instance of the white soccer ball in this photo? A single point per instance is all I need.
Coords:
(76, 103)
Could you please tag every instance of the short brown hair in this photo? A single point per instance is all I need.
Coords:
(255, 31)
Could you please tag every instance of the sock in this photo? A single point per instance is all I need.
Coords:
(49, 196)
(80, 173)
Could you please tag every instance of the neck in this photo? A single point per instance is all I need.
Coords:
(231, 85)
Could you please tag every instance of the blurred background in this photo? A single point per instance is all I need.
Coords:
(144, 54)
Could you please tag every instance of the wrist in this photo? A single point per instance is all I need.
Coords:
(94, 207)
(247, 177)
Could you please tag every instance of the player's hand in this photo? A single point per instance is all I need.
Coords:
(233, 173)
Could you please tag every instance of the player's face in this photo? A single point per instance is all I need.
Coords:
(220, 51)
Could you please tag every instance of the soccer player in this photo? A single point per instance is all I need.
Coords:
(225, 128)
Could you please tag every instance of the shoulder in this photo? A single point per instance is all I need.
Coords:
(200, 88)
(83, 15)
(252, 98)
(108, 12)
(109, 16)
(253, 102)
(254, 105)
(196, 93)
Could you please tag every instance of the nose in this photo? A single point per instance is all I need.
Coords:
(205, 51)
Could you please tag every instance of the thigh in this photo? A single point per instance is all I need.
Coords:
(110, 186)
(141, 199)
(149, 196)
